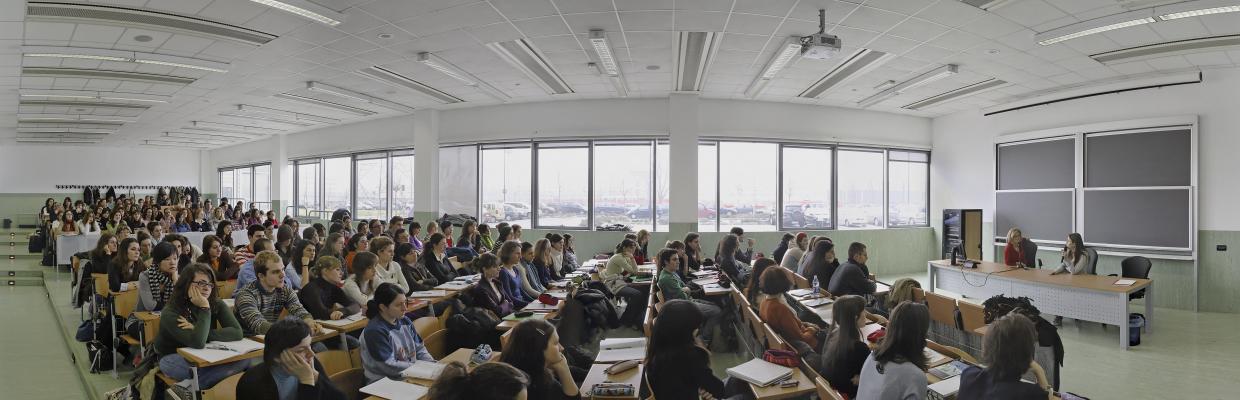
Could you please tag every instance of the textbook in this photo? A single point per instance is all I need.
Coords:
(1125, 282)
(429, 293)
(423, 370)
(945, 389)
(218, 351)
(621, 354)
(934, 357)
(760, 372)
(948, 370)
(622, 343)
(395, 390)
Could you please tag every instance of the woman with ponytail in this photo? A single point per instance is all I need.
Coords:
(489, 381)
(390, 344)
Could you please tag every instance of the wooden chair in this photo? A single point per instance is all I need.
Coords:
(773, 340)
(427, 325)
(919, 295)
(800, 281)
(825, 391)
(123, 304)
(952, 352)
(101, 284)
(225, 390)
(972, 316)
(648, 321)
(350, 382)
(503, 339)
(942, 309)
(225, 289)
(456, 265)
(756, 325)
(437, 343)
(355, 357)
(334, 361)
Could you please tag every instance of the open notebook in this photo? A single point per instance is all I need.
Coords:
(760, 372)
(944, 389)
(454, 285)
(622, 343)
(621, 354)
(429, 293)
(217, 351)
(343, 321)
(423, 370)
(395, 390)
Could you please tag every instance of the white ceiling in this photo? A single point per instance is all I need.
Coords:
(923, 33)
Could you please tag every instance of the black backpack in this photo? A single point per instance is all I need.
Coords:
(100, 356)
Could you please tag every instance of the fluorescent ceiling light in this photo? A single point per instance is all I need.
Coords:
(306, 9)
(267, 118)
(1198, 13)
(160, 143)
(170, 138)
(296, 116)
(1197, 8)
(1122, 85)
(84, 131)
(987, 5)
(790, 51)
(859, 63)
(219, 140)
(349, 94)
(324, 103)
(694, 53)
(113, 15)
(607, 60)
(1095, 26)
(88, 53)
(92, 95)
(205, 125)
(622, 89)
(1160, 50)
(447, 68)
(392, 78)
(57, 140)
(218, 135)
(523, 55)
(917, 81)
(957, 93)
(73, 118)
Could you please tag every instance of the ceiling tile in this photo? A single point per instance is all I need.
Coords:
(1222, 24)
(1029, 13)
(317, 34)
(990, 25)
(48, 31)
(583, 6)
(558, 43)
(97, 33)
(1180, 29)
(646, 20)
(951, 13)
(1209, 59)
(1080, 6)
(544, 26)
(650, 40)
(1134, 36)
(465, 16)
(872, 19)
(583, 23)
(497, 32)
(522, 9)
(276, 22)
(226, 50)
(777, 8)
(1097, 74)
(918, 30)
(699, 21)
(235, 12)
(184, 7)
(1169, 63)
(752, 24)
(892, 44)
(357, 20)
(397, 10)
(929, 53)
(736, 41)
(396, 34)
(1092, 44)
(185, 44)
(906, 7)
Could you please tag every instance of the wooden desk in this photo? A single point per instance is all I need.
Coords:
(345, 329)
(773, 392)
(150, 325)
(506, 325)
(331, 333)
(459, 355)
(1084, 297)
(195, 363)
(598, 375)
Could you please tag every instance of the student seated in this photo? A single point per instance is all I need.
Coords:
(677, 366)
(821, 263)
(124, 269)
(853, 277)
(509, 277)
(846, 350)
(753, 291)
(488, 293)
(190, 320)
(1007, 352)
(621, 266)
(742, 256)
(101, 256)
(390, 344)
(726, 259)
(463, 251)
(357, 244)
(897, 369)
(534, 348)
(433, 258)
(155, 285)
(215, 256)
(1019, 250)
(302, 258)
(246, 274)
(323, 296)
(260, 303)
(416, 274)
(776, 312)
(386, 266)
(531, 285)
(796, 250)
(246, 253)
(361, 286)
(673, 288)
(489, 381)
(289, 369)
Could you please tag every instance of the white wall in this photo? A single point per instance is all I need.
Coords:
(754, 119)
(962, 173)
(387, 133)
(39, 168)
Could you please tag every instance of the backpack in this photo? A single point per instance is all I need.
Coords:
(100, 356)
(472, 327)
(36, 243)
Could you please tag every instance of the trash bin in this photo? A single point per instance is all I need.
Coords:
(1136, 322)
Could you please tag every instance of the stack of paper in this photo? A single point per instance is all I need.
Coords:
(622, 343)
(760, 372)
(1125, 282)
(821, 301)
(469, 278)
(706, 280)
(394, 390)
(537, 306)
(934, 357)
(800, 292)
(423, 370)
(514, 317)
(705, 273)
(454, 285)
(343, 321)
(218, 351)
(867, 330)
(429, 293)
(621, 354)
(946, 388)
(948, 370)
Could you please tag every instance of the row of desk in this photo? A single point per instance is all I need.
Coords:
(68, 245)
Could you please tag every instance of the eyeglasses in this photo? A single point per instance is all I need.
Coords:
(202, 284)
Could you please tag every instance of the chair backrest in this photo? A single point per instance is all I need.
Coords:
(919, 295)
(1093, 260)
(425, 326)
(225, 390)
(334, 361)
(951, 352)
(825, 391)
(773, 340)
(437, 343)
(1135, 267)
(101, 283)
(942, 308)
(350, 382)
(456, 265)
(125, 302)
(755, 325)
(648, 321)
(800, 281)
(972, 316)
(226, 288)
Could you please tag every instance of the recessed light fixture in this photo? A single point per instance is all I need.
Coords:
(142, 38)
(349, 94)
(324, 103)
(788, 53)
(306, 9)
(124, 56)
(915, 82)
(1195, 9)
(652, 67)
(384, 35)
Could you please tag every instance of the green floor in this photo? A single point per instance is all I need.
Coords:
(1189, 354)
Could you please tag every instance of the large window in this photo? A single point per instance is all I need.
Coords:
(662, 187)
(748, 178)
(371, 186)
(622, 185)
(506, 185)
(337, 183)
(307, 188)
(458, 180)
(563, 185)
(249, 184)
(708, 187)
(861, 188)
(908, 184)
(402, 183)
(806, 180)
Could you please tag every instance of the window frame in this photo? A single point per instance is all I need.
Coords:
(531, 146)
(833, 197)
(535, 208)
(353, 157)
(233, 170)
(887, 186)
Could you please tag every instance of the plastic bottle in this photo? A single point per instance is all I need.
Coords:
(816, 285)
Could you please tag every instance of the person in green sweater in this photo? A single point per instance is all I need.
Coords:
(189, 320)
(673, 288)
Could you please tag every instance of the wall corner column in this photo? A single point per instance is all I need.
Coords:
(684, 124)
(426, 164)
(280, 187)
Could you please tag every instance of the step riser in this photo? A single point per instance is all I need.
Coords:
(22, 282)
(4, 274)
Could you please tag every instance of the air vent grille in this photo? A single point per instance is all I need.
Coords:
(129, 17)
(52, 103)
(855, 66)
(102, 74)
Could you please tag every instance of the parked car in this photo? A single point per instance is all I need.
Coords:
(818, 215)
(794, 216)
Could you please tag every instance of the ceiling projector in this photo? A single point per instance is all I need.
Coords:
(821, 45)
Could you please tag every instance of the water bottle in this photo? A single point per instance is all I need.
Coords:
(816, 285)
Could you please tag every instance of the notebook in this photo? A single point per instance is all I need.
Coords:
(469, 278)
(622, 343)
(1125, 282)
(870, 329)
(429, 293)
(948, 370)
(760, 372)
(537, 306)
(946, 388)
(394, 390)
(617, 355)
(934, 357)
(454, 285)
(822, 301)
(423, 370)
(217, 351)
(706, 281)
(801, 292)
(513, 317)
(343, 321)
(702, 274)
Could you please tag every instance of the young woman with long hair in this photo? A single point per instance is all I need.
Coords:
(390, 344)
(534, 348)
(214, 256)
(897, 369)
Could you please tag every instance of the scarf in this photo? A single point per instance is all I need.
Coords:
(161, 284)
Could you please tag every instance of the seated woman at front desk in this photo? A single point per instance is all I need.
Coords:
(1019, 250)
